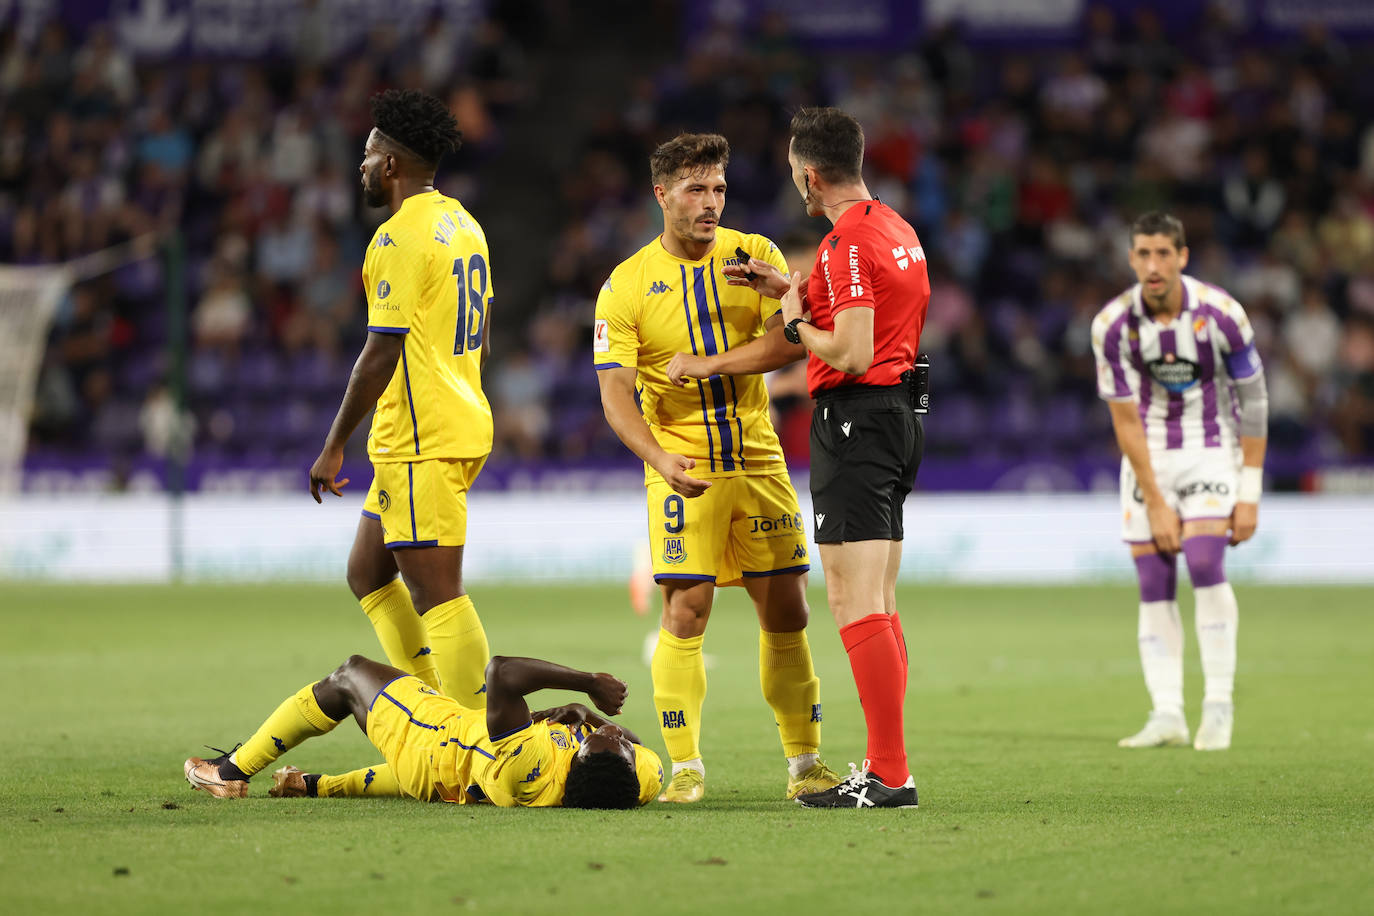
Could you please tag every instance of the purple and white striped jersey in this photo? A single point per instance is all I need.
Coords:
(1180, 373)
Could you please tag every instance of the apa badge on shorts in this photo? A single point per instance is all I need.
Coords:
(672, 551)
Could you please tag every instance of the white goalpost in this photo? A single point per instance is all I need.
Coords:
(29, 297)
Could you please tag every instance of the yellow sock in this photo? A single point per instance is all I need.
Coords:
(370, 782)
(791, 687)
(297, 718)
(679, 674)
(460, 650)
(401, 631)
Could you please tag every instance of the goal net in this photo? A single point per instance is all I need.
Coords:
(28, 299)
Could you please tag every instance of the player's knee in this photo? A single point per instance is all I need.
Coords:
(364, 578)
(1158, 576)
(1206, 557)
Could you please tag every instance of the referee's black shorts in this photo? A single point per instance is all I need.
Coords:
(866, 444)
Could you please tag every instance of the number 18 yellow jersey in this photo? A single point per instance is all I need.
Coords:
(427, 276)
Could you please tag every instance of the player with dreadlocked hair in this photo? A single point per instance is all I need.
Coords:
(428, 283)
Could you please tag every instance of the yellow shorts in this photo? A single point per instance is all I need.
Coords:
(422, 503)
(742, 527)
(411, 724)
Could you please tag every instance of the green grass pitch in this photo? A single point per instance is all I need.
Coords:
(1016, 700)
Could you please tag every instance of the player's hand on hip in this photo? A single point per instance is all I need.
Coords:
(767, 279)
(1244, 520)
(684, 367)
(323, 474)
(1165, 528)
(608, 693)
(674, 470)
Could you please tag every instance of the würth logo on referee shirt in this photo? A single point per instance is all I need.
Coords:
(905, 256)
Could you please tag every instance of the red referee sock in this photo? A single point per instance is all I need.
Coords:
(879, 673)
(901, 646)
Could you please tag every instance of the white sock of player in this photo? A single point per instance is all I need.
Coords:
(1218, 617)
(693, 764)
(1161, 654)
(801, 763)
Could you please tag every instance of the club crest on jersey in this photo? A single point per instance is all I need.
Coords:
(657, 287)
(673, 551)
(384, 499)
(558, 739)
(1174, 374)
(383, 289)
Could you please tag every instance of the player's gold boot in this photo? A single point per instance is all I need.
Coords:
(288, 782)
(687, 786)
(816, 779)
(203, 775)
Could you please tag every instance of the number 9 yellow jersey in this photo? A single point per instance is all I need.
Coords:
(427, 276)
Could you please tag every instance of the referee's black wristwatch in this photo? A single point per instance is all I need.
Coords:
(790, 331)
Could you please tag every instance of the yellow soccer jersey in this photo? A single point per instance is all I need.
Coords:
(527, 767)
(655, 305)
(427, 276)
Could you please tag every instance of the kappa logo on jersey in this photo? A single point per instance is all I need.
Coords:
(383, 289)
(367, 779)
(673, 718)
(384, 499)
(606, 287)
(657, 287)
(384, 240)
(534, 774)
(601, 336)
(1174, 374)
(905, 256)
(673, 551)
(799, 553)
(815, 712)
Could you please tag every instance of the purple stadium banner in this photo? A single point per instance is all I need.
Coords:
(239, 28)
(900, 24)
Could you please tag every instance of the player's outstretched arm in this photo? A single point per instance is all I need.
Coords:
(1165, 527)
(511, 678)
(622, 413)
(764, 353)
(371, 374)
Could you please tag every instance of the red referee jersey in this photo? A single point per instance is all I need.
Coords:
(872, 259)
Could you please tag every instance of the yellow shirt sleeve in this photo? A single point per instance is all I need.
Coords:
(393, 279)
(527, 769)
(615, 338)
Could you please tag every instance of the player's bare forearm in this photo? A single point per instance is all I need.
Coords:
(1252, 449)
(1130, 438)
(623, 416)
(578, 714)
(511, 678)
(372, 372)
(848, 348)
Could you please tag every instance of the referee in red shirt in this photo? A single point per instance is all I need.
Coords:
(859, 314)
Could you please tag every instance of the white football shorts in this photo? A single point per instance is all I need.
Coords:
(1196, 483)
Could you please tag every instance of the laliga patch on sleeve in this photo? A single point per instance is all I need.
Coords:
(601, 337)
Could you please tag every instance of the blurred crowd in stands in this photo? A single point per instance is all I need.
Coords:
(1020, 171)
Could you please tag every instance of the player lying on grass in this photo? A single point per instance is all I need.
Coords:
(436, 749)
